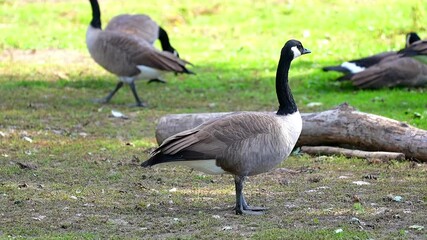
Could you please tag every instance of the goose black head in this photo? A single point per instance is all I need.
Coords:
(164, 41)
(411, 38)
(174, 52)
(293, 49)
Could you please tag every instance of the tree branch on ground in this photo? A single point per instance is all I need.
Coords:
(342, 126)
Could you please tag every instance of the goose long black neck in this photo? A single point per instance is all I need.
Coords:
(164, 41)
(287, 103)
(96, 14)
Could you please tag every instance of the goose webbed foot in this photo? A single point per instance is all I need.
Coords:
(255, 209)
(244, 208)
(157, 80)
(241, 206)
(139, 104)
(249, 212)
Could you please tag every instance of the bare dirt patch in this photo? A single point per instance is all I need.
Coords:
(45, 56)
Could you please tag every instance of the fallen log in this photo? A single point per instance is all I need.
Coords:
(326, 150)
(341, 126)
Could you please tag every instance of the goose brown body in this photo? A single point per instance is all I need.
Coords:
(121, 54)
(383, 69)
(406, 68)
(139, 25)
(126, 49)
(401, 72)
(244, 143)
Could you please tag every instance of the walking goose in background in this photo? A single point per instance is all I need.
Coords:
(407, 68)
(359, 65)
(128, 57)
(244, 143)
(142, 27)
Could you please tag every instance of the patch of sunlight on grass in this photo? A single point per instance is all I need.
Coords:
(143, 143)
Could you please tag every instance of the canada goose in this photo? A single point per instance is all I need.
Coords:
(128, 57)
(358, 65)
(243, 143)
(407, 68)
(143, 27)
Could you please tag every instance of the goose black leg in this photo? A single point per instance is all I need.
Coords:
(139, 103)
(241, 206)
(111, 94)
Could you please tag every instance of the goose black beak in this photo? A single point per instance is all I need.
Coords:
(306, 51)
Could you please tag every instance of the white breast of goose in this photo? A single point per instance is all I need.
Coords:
(291, 126)
(279, 147)
(91, 36)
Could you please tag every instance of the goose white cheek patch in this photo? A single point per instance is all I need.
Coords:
(296, 52)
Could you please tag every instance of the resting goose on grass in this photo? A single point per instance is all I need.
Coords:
(358, 65)
(243, 143)
(407, 68)
(129, 57)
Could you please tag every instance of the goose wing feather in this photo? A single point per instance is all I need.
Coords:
(132, 52)
(162, 60)
(230, 139)
(138, 25)
(405, 71)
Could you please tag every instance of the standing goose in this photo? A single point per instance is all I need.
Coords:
(359, 65)
(127, 56)
(244, 143)
(142, 27)
(408, 68)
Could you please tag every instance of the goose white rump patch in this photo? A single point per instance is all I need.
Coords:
(352, 67)
(206, 166)
(148, 72)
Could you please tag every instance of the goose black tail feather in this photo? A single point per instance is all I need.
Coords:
(188, 71)
(160, 158)
(185, 155)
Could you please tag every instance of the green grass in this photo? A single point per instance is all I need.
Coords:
(88, 183)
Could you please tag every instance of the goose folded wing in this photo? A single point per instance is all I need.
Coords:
(139, 26)
(212, 139)
(372, 60)
(149, 56)
(139, 52)
(169, 145)
(400, 72)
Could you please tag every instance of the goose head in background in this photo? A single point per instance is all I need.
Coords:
(128, 57)
(411, 38)
(243, 143)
